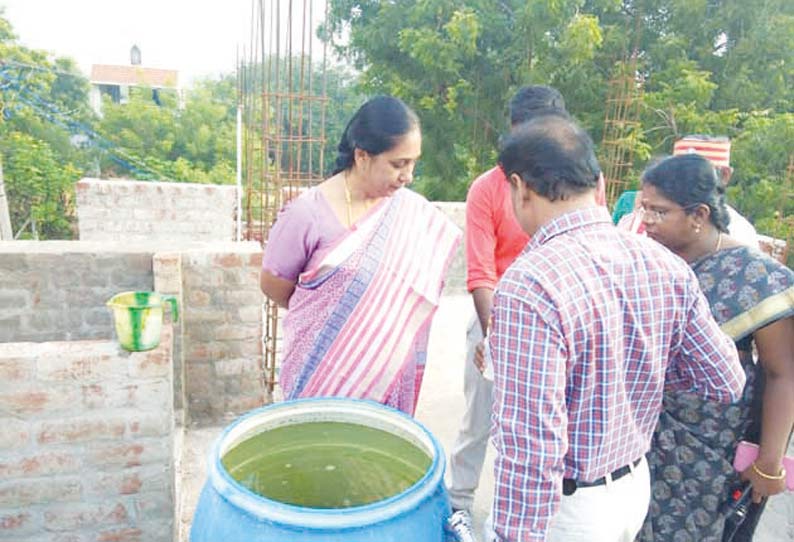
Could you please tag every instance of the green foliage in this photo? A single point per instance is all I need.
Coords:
(39, 187)
(720, 67)
(45, 102)
(40, 164)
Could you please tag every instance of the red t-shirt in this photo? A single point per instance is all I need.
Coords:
(493, 236)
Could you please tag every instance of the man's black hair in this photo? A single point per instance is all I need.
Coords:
(552, 155)
(531, 100)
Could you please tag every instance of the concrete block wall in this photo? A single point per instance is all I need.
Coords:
(86, 449)
(56, 290)
(122, 210)
(223, 329)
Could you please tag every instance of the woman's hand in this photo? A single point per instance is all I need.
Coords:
(763, 486)
(775, 344)
(479, 355)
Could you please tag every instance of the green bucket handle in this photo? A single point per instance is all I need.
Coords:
(171, 300)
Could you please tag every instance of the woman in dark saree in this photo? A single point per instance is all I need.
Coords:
(752, 298)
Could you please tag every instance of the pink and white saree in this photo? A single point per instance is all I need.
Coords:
(358, 322)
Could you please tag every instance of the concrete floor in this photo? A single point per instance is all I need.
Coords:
(440, 409)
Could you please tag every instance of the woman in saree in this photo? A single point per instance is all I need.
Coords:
(752, 298)
(359, 262)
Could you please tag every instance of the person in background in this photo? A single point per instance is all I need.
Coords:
(493, 240)
(752, 297)
(626, 203)
(359, 263)
(589, 325)
(718, 151)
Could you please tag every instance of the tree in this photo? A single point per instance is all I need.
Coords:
(722, 67)
(458, 62)
(39, 97)
(164, 142)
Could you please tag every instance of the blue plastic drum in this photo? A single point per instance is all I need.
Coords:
(229, 512)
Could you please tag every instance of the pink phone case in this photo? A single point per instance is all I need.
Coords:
(746, 452)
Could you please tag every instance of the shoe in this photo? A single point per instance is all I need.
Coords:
(460, 524)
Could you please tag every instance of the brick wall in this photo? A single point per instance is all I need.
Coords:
(56, 290)
(223, 330)
(86, 449)
(120, 210)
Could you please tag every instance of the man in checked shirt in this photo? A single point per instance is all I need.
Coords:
(589, 325)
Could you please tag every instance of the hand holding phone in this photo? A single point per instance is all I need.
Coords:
(747, 453)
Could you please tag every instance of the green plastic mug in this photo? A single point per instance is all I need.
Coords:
(138, 317)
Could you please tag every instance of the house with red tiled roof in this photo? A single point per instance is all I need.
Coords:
(116, 81)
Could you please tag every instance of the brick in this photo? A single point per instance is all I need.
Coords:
(237, 332)
(238, 405)
(199, 378)
(9, 327)
(250, 315)
(154, 363)
(34, 402)
(247, 292)
(14, 370)
(21, 493)
(43, 319)
(68, 366)
(245, 349)
(15, 434)
(143, 395)
(167, 270)
(128, 454)
(85, 516)
(255, 260)
(158, 424)
(197, 351)
(198, 298)
(153, 479)
(66, 537)
(236, 367)
(40, 463)
(98, 318)
(131, 534)
(15, 524)
(80, 430)
(211, 315)
(228, 260)
(253, 386)
(12, 299)
(154, 506)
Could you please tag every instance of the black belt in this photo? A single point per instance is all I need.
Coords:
(569, 485)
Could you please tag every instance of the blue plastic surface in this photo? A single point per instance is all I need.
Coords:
(228, 512)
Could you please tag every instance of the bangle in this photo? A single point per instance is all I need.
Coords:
(766, 476)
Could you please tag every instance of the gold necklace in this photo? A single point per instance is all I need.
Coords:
(349, 201)
(719, 242)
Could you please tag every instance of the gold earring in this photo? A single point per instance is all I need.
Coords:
(697, 229)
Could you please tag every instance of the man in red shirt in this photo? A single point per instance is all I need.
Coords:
(493, 240)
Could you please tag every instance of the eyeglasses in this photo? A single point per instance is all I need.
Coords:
(658, 215)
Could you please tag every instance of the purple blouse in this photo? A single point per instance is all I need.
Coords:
(303, 232)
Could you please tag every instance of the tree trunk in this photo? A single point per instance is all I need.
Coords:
(5, 219)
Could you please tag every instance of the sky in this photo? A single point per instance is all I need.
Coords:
(199, 38)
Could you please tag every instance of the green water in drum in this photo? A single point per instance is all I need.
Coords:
(326, 464)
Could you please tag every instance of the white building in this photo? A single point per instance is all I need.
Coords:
(116, 81)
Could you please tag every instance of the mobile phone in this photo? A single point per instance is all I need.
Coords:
(747, 452)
